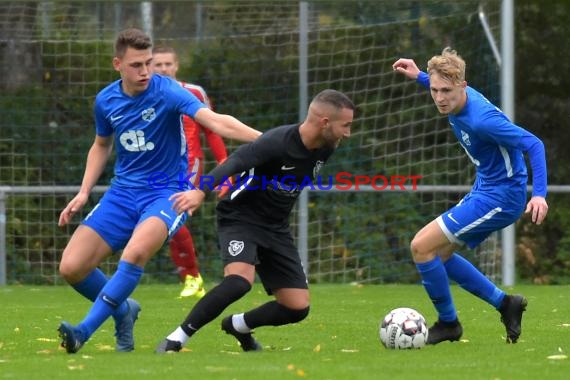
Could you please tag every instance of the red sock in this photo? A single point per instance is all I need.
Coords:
(183, 253)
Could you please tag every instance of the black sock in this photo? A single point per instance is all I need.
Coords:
(232, 288)
(273, 314)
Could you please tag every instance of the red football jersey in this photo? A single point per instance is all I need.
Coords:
(192, 131)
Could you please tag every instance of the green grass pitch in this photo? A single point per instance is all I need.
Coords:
(339, 339)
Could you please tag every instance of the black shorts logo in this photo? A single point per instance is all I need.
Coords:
(235, 247)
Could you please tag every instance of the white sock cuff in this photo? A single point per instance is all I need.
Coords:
(239, 323)
(178, 335)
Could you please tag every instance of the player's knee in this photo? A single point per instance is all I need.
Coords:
(297, 315)
(417, 249)
(420, 253)
(137, 255)
(414, 247)
(235, 286)
(64, 271)
(69, 273)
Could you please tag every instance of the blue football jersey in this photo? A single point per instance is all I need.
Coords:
(490, 139)
(148, 135)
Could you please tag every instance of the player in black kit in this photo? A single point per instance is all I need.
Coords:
(253, 221)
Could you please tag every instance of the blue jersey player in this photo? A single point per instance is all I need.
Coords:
(140, 115)
(495, 146)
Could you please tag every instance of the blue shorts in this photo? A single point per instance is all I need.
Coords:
(482, 212)
(120, 210)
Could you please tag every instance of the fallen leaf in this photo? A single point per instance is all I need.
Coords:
(557, 357)
(104, 347)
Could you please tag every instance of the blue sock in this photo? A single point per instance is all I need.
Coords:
(91, 286)
(471, 279)
(113, 294)
(434, 280)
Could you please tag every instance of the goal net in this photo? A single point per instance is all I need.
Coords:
(246, 54)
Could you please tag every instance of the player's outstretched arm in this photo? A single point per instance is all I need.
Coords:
(537, 208)
(407, 67)
(226, 125)
(96, 160)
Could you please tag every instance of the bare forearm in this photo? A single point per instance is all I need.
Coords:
(96, 160)
(237, 130)
(226, 126)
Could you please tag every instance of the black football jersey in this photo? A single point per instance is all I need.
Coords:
(272, 172)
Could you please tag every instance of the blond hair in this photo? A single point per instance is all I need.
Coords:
(449, 65)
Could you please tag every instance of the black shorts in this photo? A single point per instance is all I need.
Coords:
(274, 254)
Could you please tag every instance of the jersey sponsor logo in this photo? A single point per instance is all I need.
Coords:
(115, 118)
(285, 167)
(450, 216)
(235, 247)
(134, 141)
(149, 114)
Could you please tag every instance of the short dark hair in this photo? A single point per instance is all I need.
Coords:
(334, 98)
(131, 38)
(163, 49)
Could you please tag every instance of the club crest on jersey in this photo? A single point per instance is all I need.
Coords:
(465, 138)
(318, 165)
(149, 114)
(235, 247)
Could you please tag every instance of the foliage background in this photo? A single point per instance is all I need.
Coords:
(45, 113)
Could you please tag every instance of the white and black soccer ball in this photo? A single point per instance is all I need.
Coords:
(403, 328)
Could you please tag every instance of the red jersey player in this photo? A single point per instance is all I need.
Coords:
(182, 249)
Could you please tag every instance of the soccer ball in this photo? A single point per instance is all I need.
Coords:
(403, 328)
